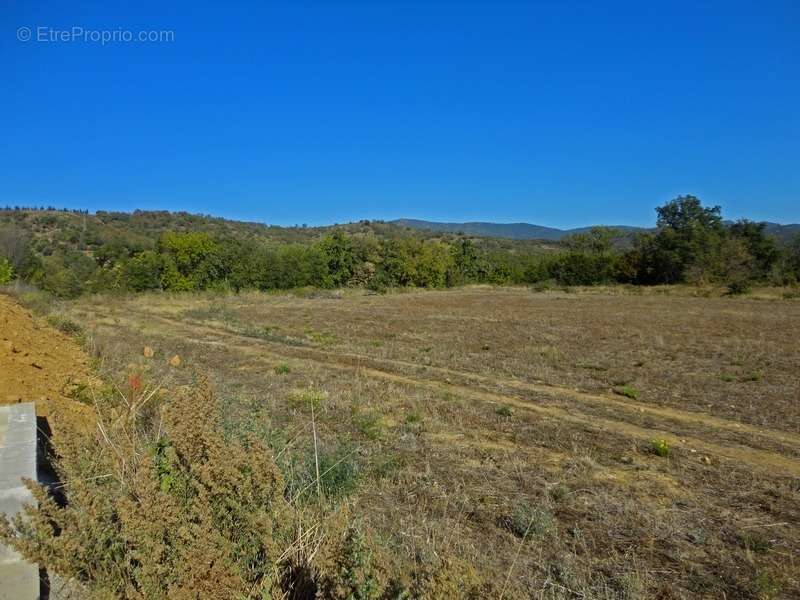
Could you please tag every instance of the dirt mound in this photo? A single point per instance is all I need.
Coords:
(40, 364)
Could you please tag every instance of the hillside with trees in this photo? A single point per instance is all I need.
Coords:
(69, 253)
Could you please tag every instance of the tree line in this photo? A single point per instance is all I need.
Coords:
(690, 243)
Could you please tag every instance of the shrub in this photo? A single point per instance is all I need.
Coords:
(307, 399)
(754, 376)
(660, 447)
(283, 369)
(738, 286)
(528, 522)
(413, 417)
(583, 268)
(338, 475)
(161, 504)
(65, 325)
(188, 514)
(369, 424)
(504, 411)
(351, 575)
(627, 391)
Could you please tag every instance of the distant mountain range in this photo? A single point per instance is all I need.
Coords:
(528, 231)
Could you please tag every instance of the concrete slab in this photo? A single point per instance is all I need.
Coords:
(18, 579)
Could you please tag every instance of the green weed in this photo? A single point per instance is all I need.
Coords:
(627, 391)
(660, 447)
(504, 411)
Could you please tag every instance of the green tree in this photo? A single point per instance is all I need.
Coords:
(590, 260)
(16, 248)
(66, 273)
(759, 245)
(338, 251)
(686, 244)
(434, 264)
(399, 265)
(690, 236)
(143, 271)
(296, 265)
(191, 261)
(465, 260)
(6, 271)
(793, 258)
(597, 240)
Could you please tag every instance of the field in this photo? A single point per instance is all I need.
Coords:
(599, 444)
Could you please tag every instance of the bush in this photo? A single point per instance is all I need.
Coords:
(184, 515)
(528, 522)
(738, 286)
(185, 511)
(504, 411)
(6, 271)
(660, 447)
(582, 268)
(65, 325)
(627, 391)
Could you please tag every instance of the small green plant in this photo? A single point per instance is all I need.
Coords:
(660, 447)
(558, 493)
(321, 338)
(737, 360)
(338, 473)
(504, 411)
(754, 376)
(79, 391)
(369, 425)
(766, 585)
(307, 398)
(627, 391)
(527, 521)
(755, 542)
(352, 576)
(65, 325)
(386, 467)
(726, 377)
(413, 417)
(283, 369)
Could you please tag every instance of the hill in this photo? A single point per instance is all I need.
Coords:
(514, 231)
(529, 231)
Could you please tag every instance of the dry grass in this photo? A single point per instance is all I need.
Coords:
(479, 427)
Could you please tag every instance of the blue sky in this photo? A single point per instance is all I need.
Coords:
(556, 113)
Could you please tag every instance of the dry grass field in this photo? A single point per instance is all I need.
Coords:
(604, 444)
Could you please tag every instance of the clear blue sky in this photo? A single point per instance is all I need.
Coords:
(556, 113)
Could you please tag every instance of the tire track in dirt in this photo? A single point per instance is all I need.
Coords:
(501, 383)
(382, 369)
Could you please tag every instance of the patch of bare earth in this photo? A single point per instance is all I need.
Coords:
(42, 365)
